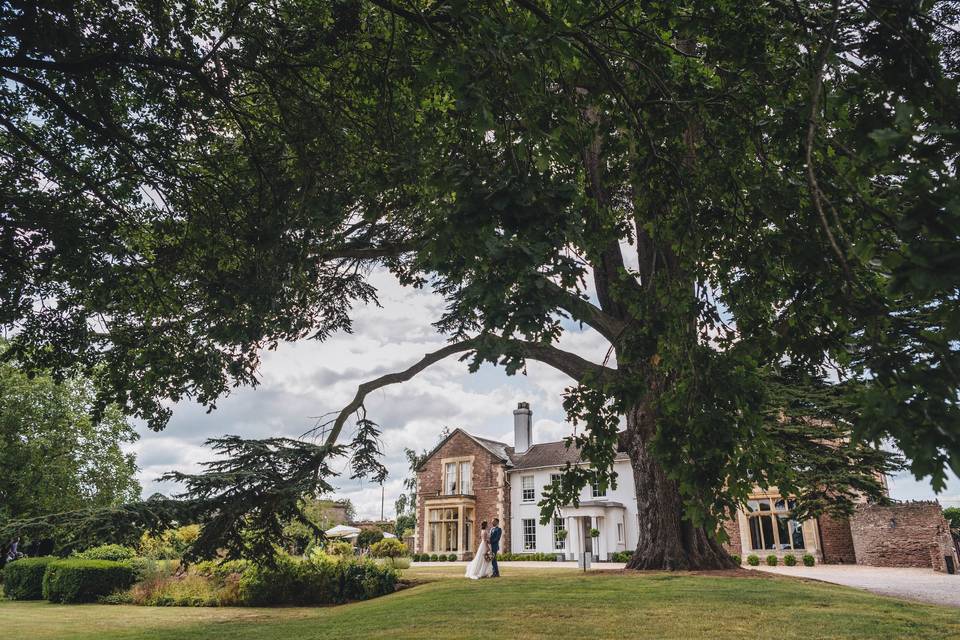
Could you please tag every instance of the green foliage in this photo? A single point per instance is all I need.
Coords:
(452, 557)
(340, 548)
(114, 552)
(298, 536)
(367, 537)
(520, 557)
(808, 560)
(71, 581)
(737, 559)
(169, 544)
(55, 455)
(790, 560)
(323, 581)
(406, 525)
(753, 560)
(772, 560)
(433, 557)
(952, 515)
(389, 548)
(23, 578)
(621, 556)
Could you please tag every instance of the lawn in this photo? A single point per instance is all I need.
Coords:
(526, 603)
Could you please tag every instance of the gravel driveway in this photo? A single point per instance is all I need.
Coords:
(924, 585)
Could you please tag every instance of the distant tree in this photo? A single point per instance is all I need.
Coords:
(54, 455)
(952, 514)
(368, 537)
(298, 535)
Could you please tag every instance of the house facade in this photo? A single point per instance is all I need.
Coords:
(467, 479)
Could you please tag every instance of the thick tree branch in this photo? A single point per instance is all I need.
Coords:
(582, 310)
(569, 363)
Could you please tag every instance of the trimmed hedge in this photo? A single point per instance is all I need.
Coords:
(23, 578)
(790, 560)
(753, 560)
(316, 581)
(772, 560)
(809, 560)
(114, 552)
(78, 580)
(535, 557)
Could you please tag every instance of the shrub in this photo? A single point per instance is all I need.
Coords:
(737, 559)
(23, 578)
(433, 557)
(326, 581)
(621, 556)
(416, 557)
(220, 569)
(790, 560)
(77, 580)
(389, 548)
(339, 549)
(808, 560)
(537, 557)
(452, 557)
(368, 537)
(753, 560)
(169, 545)
(594, 533)
(113, 552)
(772, 560)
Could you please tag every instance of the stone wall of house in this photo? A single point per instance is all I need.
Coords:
(909, 534)
(735, 545)
(836, 540)
(492, 497)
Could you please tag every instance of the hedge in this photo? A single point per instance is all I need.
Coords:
(23, 579)
(78, 580)
(536, 557)
(316, 581)
(115, 552)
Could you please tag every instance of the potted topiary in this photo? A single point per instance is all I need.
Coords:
(772, 560)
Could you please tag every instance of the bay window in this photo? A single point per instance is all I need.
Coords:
(772, 526)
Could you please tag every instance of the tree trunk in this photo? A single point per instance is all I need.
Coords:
(667, 541)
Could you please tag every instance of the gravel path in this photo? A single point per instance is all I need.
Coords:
(924, 585)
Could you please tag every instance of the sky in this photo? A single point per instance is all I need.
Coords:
(304, 380)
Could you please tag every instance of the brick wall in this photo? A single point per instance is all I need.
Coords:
(836, 540)
(492, 497)
(908, 534)
(735, 546)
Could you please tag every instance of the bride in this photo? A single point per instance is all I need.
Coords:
(480, 566)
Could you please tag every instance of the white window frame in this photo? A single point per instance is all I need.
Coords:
(527, 493)
(529, 534)
(596, 492)
(619, 532)
(559, 543)
(465, 480)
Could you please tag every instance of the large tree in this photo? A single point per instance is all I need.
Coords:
(755, 203)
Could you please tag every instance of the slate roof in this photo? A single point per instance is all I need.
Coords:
(552, 454)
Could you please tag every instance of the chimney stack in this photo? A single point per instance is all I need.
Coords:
(522, 427)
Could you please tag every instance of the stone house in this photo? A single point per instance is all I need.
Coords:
(467, 479)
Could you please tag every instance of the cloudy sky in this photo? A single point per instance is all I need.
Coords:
(307, 379)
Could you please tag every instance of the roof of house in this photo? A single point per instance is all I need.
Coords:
(552, 454)
(546, 454)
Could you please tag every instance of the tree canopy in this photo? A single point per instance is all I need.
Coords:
(741, 197)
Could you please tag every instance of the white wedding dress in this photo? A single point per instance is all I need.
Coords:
(480, 567)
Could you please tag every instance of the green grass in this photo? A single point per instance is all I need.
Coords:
(526, 603)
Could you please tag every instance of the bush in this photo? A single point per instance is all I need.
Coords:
(113, 552)
(339, 549)
(169, 545)
(23, 578)
(78, 580)
(737, 559)
(416, 557)
(621, 556)
(368, 537)
(433, 557)
(389, 548)
(808, 560)
(452, 557)
(208, 584)
(790, 560)
(753, 560)
(772, 560)
(519, 557)
(323, 581)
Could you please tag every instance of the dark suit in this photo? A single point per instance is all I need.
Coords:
(495, 534)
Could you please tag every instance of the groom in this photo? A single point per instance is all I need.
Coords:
(495, 534)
